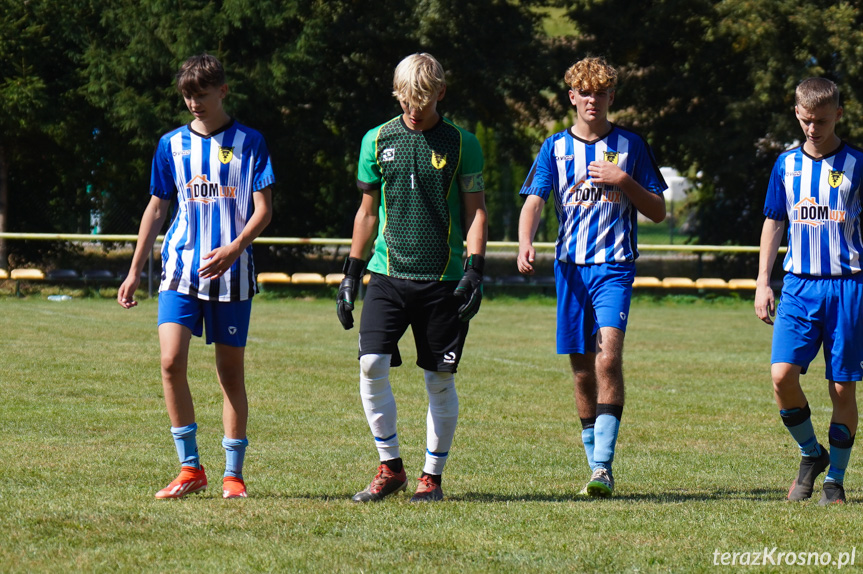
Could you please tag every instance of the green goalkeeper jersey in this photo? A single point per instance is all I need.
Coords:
(421, 176)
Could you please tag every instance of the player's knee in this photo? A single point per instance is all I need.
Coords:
(609, 366)
(374, 366)
(172, 366)
(785, 377)
(441, 389)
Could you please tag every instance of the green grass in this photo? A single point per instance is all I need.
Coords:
(660, 234)
(703, 460)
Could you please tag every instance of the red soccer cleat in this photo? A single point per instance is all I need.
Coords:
(190, 480)
(233, 487)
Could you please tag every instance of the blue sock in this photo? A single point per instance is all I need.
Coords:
(841, 442)
(187, 444)
(588, 439)
(235, 452)
(605, 434)
(799, 424)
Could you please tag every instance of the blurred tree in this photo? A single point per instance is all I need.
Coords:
(711, 86)
(313, 77)
(47, 148)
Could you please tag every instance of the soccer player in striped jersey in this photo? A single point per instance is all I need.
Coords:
(816, 189)
(600, 176)
(423, 196)
(219, 174)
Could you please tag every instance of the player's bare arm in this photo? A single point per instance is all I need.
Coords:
(365, 224)
(151, 222)
(528, 223)
(476, 221)
(220, 259)
(649, 204)
(771, 236)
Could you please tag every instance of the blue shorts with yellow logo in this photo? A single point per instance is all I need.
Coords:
(816, 311)
(227, 322)
(590, 297)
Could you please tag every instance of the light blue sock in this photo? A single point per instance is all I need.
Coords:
(799, 423)
(587, 439)
(605, 434)
(235, 452)
(187, 445)
(841, 442)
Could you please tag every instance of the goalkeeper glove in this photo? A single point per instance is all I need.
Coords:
(353, 270)
(470, 287)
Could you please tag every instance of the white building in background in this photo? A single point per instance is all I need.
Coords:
(677, 184)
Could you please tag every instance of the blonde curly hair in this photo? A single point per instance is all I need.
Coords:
(591, 74)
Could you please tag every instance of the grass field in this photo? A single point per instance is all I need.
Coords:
(703, 462)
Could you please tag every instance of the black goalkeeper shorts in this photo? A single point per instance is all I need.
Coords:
(428, 307)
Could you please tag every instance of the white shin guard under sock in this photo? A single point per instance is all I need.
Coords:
(441, 419)
(379, 403)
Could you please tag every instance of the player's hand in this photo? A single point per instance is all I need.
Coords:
(525, 259)
(218, 261)
(126, 292)
(606, 172)
(348, 289)
(765, 304)
(470, 287)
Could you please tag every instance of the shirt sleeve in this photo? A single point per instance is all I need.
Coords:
(264, 176)
(368, 169)
(774, 203)
(647, 171)
(540, 180)
(161, 173)
(470, 179)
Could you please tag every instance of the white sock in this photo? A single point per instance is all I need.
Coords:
(441, 419)
(379, 403)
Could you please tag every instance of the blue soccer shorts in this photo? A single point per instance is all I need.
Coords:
(227, 322)
(590, 297)
(816, 311)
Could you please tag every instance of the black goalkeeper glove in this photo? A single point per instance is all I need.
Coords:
(353, 270)
(470, 287)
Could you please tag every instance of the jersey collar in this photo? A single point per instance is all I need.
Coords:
(214, 133)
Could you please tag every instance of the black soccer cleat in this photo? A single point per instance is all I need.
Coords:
(834, 493)
(810, 468)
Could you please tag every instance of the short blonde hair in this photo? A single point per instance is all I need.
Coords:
(812, 93)
(591, 74)
(417, 79)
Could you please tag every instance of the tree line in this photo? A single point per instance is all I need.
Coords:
(86, 89)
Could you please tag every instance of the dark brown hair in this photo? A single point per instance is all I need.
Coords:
(199, 73)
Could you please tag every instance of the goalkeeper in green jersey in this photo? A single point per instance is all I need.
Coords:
(423, 198)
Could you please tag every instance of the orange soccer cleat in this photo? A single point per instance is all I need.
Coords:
(233, 487)
(190, 480)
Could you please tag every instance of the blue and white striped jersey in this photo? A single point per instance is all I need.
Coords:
(821, 200)
(596, 222)
(212, 179)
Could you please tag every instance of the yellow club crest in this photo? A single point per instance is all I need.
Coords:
(834, 178)
(610, 156)
(226, 154)
(438, 160)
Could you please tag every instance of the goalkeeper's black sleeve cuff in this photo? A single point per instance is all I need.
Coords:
(354, 267)
(476, 262)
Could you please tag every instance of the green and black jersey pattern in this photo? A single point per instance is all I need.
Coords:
(421, 176)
